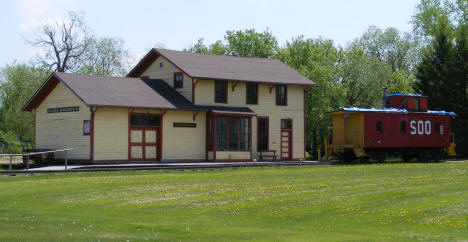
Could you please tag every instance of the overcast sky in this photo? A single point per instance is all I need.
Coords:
(177, 24)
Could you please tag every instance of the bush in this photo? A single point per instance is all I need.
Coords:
(9, 143)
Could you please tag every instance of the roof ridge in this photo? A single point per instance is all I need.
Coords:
(228, 56)
(89, 75)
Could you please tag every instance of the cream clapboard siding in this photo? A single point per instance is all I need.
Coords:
(184, 143)
(204, 95)
(234, 155)
(63, 130)
(166, 73)
(111, 134)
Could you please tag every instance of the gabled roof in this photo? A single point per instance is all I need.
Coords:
(102, 91)
(217, 67)
(124, 92)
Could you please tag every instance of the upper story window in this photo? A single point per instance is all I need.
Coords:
(178, 80)
(281, 95)
(252, 93)
(220, 92)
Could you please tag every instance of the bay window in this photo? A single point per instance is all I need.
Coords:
(232, 133)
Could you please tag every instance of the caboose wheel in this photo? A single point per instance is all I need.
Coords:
(348, 156)
(364, 159)
(423, 156)
(377, 155)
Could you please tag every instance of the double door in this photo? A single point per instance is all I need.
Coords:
(144, 143)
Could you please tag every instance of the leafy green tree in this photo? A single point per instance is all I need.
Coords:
(460, 100)
(217, 48)
(104, 57)
(398, 50)
(18, 82)
(250, 43)
(363, 76)
(442, 73)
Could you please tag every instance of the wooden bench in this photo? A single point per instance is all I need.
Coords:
(267, 154)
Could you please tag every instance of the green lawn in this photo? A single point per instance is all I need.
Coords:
(357, 202)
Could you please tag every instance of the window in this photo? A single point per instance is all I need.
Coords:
(378, 126)
(437, 128)
(233, 138)
(262, 133)
(403, 102)
(232, 134)
(403, 126)
(281, 95)
(220, 91)
(160, 65)
(244, 134)
(286, 124)
(221, 133)
(416, 103)
(144, 120)
(252, 93)
(178, 80)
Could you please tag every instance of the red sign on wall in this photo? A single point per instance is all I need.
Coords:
(86, 127)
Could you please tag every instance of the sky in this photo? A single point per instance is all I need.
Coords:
(177, 24)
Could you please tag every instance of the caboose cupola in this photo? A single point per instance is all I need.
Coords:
(411, 102)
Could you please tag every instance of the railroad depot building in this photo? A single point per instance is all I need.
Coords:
(175, 106)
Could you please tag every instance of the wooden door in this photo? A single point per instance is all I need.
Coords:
(144, 143)
(286, 139)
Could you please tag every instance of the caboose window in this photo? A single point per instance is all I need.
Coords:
(378, 126)
(436, 127)
(416, 103)
(403, 126)
(403, 103)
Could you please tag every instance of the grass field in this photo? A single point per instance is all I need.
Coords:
(359, 202)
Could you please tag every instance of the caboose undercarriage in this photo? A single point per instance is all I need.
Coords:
(352, 152)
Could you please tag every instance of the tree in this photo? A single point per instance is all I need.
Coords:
(247, 43)
(250, 43)
(399, 51)
(104, 57)
(18, 82)
(63, 42)
(217, 48)
(460, 105)
(363, 76)
(442, 73)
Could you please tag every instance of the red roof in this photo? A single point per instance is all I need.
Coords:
(217, 67)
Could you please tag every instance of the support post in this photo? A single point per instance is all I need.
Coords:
(66, 159)
(27, 162)
(11, 159)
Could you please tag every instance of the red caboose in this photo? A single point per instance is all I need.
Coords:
(404, 127)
